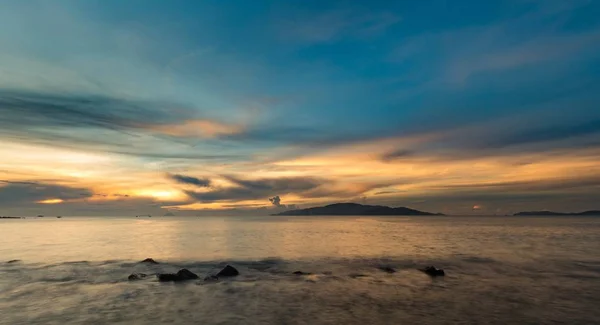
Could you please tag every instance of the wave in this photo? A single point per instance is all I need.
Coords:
(328, 291)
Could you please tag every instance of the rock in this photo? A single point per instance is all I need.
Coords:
(13, 261)
(301, 273)
(182, 275)
(149, 261)
(186, 274)
(228, 271)
(433, 271)
(211, 278)
(136, 276)
(387, 269)
(167, 277)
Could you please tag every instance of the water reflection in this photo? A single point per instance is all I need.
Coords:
(204, 239)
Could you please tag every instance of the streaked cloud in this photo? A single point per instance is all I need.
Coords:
(13, 192)
(183, 179)
(256, 189)
(335, 23)
(197, 128)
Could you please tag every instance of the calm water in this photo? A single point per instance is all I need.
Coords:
(499, 270)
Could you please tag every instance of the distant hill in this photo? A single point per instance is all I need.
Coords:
(355, 209)
(550, 213)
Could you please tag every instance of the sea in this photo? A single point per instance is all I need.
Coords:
(498, 270)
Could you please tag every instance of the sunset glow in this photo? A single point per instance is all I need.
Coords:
(51, 201)
(325, 108)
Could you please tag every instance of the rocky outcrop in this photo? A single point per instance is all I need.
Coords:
(433, 271)
(228, 271)
(181, 275)
(136, 276)
(301, 273)
(13, 261)
(149, 261)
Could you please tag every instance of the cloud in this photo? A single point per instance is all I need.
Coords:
(245, 189)
(330, 25)
(561, 184)
(12, 193)
(386, 192)
(197, 128)
(537, 51)
(285, 184)
(276, 201)
(538, 37)
(46, 111)
(546, 134)
(182, 179)
(151, 129)
(399, 153)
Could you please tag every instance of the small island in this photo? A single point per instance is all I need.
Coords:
(551, 213)
(355, 209)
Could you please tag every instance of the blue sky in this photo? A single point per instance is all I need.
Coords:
(192, 86)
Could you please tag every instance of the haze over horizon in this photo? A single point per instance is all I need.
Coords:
(200, 107)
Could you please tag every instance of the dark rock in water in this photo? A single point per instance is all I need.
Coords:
(182, 275)
(149, 261)
(136, 276)
(186, 274)
(433, 271)
(387, 269)
(211, 278)
(166, 277)
(13, 261)
(301, 273)
(228, 271)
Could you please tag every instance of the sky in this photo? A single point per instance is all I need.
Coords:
(251, 107)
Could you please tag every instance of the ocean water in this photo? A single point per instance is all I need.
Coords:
(499, 270)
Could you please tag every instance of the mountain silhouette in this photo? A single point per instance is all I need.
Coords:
(355, 209)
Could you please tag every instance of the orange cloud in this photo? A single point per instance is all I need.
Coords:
(201, 128)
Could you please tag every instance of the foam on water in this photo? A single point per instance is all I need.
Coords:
(474, 291)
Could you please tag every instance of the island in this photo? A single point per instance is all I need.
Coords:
(551, 213)
(355, 209)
